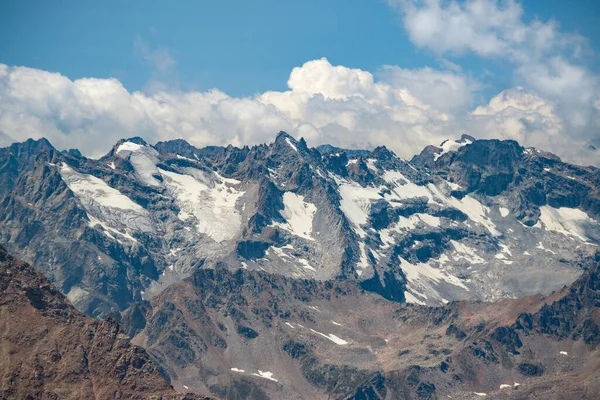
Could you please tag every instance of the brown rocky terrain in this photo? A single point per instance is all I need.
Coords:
(248, 334)
(49, 350)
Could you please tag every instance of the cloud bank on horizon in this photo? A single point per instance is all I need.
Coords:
(554, 104)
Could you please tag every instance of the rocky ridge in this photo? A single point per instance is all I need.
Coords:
(249, 334)
(52, 351)
(471, 219)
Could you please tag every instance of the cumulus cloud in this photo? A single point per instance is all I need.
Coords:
(449, 91)
(488, 28)
(403, 109)
(548, 62)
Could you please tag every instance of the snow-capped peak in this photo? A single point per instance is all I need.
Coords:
(448, 145)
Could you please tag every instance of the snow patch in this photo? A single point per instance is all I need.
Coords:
(298, 214)
(465, 252)
(332, 337)
(450, 146)
(504, 212)
(94, 189)
(306, 264)
(106, 206)
(355, 203)
(292, 145)
(143, 159)
(363, 263)
(238, 370)
(421, 278)
(212, 203)
(128, 147)
(568, 221)
(265, 374)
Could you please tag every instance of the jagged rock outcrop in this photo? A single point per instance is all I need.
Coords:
(470, 219)
(51, 351)
(248, 332)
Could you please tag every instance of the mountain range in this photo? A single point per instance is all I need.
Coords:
(283, 271)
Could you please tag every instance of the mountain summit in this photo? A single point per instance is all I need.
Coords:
(471, 219)
(283, 271)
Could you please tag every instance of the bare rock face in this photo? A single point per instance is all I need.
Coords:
(470, 219)
(280, 271)
(51, 351)
(248, 334)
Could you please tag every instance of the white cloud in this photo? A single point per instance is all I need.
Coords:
(548, 62)
(444, 90)
(403, 109)
(488, 28)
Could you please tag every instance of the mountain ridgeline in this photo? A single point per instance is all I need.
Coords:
(283, 271)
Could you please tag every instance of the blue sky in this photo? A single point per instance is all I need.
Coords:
(238, 46)
(361, 72)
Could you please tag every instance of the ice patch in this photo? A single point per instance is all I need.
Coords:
(212, 203)
(476, 212)
(298, 214)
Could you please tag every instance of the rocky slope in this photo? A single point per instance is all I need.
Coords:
(471, 219)
(249, 334)
(51, 351)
